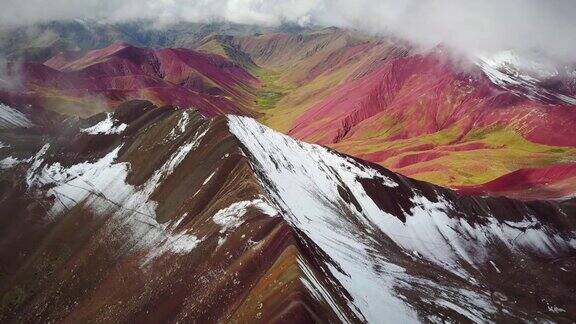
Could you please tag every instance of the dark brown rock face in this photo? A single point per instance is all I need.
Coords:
(162, 215)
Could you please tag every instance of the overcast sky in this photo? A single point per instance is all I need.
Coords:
(472, 26)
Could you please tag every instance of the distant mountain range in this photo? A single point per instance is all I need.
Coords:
(41, 41)
(373, 97)
(80, 83)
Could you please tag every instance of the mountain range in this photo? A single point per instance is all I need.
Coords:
(379, 99)
(232, 173)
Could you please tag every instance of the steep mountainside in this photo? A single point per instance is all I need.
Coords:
(150, 214)
(427, 115)
(421, 116)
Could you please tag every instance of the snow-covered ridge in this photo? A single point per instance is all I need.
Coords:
(509, 60)
(12, 118)
(306, 182)
(522, 75)
(303, 180)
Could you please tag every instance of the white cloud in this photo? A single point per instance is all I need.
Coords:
(545, 26)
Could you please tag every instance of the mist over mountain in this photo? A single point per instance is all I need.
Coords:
(470, 27)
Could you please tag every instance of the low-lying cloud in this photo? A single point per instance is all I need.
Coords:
(527, 26)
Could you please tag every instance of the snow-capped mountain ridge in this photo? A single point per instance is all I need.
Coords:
(525, 75)
(249, 211)
(306, 181)
(536, 66)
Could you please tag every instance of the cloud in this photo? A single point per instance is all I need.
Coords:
(527, 26)
(10, 74)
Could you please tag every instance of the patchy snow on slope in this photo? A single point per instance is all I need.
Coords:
(12, 118)
(102, 187)
(317, 290)
(173, 242)
(37, 161)
(555, 309)
(9, 162)
(180, 128)
(231, 217)
(209, 177)
(531, 67)
(305, 182)
(447, 241)
(2, 145)
(495, 266)
(72, 185)
(567, 99)
(106, 126)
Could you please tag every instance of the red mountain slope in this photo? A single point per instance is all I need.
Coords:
(178, 77)
(426, 94)
(426, 117)
(555, 182)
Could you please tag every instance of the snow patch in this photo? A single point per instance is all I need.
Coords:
(209, 178)
(174, 242)
(556, 310)
(180, 128)
(495, 266)
(533, 67)
(37, 161)
(10, 162)
(11, 118)
(521, 75)
(319, 292)
(106, 126)
(230, 217)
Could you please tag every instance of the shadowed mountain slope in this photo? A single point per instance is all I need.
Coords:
(150, 214)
